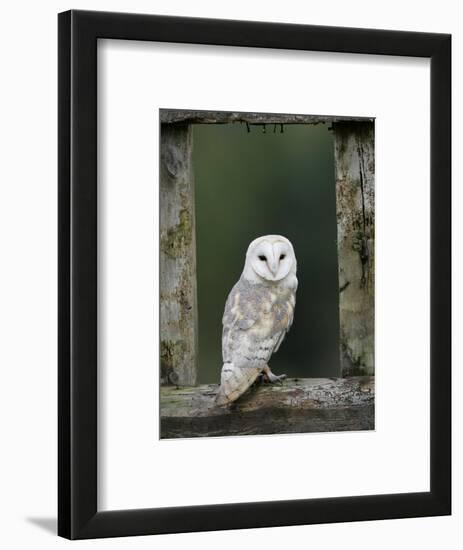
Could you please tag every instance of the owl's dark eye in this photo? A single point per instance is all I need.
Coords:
(262, 258)
(282, 256)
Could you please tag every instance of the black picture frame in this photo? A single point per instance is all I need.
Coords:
(78, 516)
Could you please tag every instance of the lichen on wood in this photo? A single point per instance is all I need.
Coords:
(178, 301)
(177, 238)
(355, 172)
(296, 406)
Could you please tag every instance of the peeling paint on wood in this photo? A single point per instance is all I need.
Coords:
(178, 302)
(355, 174)
(297, 406)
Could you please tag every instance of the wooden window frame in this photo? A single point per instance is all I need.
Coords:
(190, 412)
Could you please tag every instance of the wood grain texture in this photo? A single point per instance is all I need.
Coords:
(296, 406)
(173, 116)
(178, 300)
(355, 207)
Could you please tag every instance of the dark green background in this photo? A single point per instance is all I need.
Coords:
(253, 184)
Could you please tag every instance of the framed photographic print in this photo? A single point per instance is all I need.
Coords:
(254, 274)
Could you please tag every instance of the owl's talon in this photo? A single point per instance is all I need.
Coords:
(273, 378)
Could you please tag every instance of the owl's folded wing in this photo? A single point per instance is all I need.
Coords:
(241, 312)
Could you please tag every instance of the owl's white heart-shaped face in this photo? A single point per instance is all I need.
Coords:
(271, 258)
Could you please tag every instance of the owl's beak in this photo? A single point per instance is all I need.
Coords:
(273, 266)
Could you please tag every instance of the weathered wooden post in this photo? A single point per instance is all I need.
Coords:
(178, 301)
(355, 178)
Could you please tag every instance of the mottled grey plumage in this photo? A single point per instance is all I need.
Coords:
(258, 313)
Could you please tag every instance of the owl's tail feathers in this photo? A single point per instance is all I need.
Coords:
(234, 381)
(221, 399)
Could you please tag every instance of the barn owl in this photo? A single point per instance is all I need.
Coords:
(258, 313)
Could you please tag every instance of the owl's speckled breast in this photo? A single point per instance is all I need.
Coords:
(272, 306)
